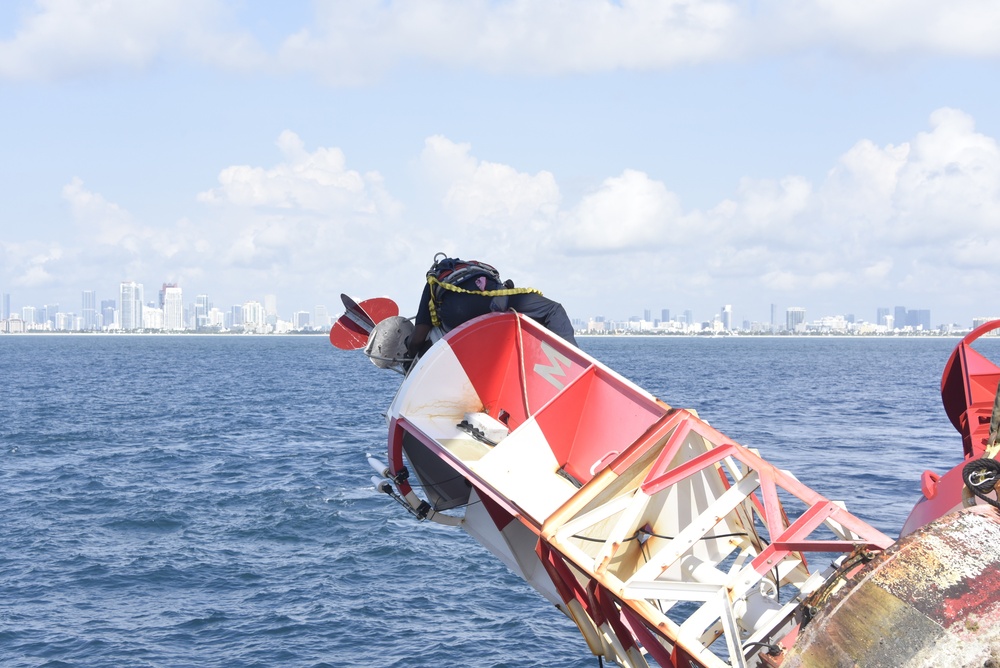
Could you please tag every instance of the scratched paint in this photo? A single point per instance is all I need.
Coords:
(931, 600)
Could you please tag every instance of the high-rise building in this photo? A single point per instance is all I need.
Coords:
(130, 312)
(301, 319)
(201, 309)
(794, 316)
(163, 292)
(172, 303)
(49, 316)
(152, 317)
(647, 315)
(271, 309)
(108, 313)
(64, 322)
(88, 311)
(881, 315)
(321, 318)
(28, 315)
(899, 317)
(665, 315)
(254, 318)
(216, 318)
(236, 315)
(727, 317)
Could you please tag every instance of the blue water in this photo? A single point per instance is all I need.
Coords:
(205, 501)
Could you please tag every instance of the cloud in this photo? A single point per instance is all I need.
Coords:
(317, 182)
(63, 39)
(361, 39)
(891, 211)
(766, 211)
(628, 212)
(105, 222)
(960, 27)
(483, 198)
(941, 185)
(357, 42)
(919, 216)
(912, 216)
(308, 219)
(32, 265)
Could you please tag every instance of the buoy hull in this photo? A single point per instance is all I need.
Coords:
(931, 600)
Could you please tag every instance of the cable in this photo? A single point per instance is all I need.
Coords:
(636, 535)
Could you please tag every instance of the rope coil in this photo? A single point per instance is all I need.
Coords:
(982, 476)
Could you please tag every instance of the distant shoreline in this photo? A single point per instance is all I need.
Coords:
(922, 336)
(166, 334)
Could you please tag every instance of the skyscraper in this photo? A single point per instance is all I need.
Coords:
(108, 313)
(172, 299)
(253, 316)
(49, 315)
(899, 317)
(882, 315)
(727, 317)
(201, 308)
(130, 312)
(236, 315)
(271, 309)
(321, 318)
(794, 316)
(88, 310)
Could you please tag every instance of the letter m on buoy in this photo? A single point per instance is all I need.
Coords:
(555, 366)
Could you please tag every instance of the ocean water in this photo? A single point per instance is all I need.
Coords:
(205, 500)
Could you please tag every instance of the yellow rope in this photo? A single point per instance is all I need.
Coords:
(503, 292)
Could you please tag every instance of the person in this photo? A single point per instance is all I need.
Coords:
(457, 291)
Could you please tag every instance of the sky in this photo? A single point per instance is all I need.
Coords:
(838, 155)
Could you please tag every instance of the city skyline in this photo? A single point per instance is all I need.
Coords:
(617, 156)
(179, 312)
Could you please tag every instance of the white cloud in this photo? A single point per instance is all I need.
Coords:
(487, 200)
(766, 211)
(32, 265)
(356, 42)
(308, 220)
(910, 216)
(349, 40)
(958, 27)
(920, 215)
(317, 182)
(104, 221)
(942, 185)
(66, 38)
(628, 212)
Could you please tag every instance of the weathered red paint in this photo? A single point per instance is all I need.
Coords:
(932, 599)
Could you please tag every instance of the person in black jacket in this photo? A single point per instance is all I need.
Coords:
(458, 291)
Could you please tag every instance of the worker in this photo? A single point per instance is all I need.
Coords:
(457, 291)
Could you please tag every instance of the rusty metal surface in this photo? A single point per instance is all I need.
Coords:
(930, 601)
